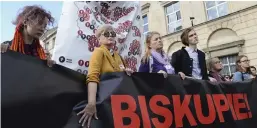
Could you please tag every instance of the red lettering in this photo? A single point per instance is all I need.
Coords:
(162, 111)
(238, 105)
(119, 114)
(217, 98)
(144, 112)
(247, 105)
(230, 102)
(181, 110)
(212, 113)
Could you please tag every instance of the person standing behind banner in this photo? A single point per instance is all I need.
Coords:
(215, 66)
(243, 69)
(104, 59)
(190, 61)
(155, 59)
(253, 71)
(30, 24)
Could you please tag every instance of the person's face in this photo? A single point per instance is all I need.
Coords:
(36, 30)
(227, 78)
(253, 71)
(108, 38)
(217, 65)
(156, 42)
(192, 38)
(244, 62)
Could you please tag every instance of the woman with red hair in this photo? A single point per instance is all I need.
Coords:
(30, 24)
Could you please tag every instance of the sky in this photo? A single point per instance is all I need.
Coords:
(9, 10)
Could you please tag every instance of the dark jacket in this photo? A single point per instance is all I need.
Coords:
(182, 62)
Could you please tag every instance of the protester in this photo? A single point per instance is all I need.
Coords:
(30, 24)
(227, 77)
(155, 59)
(190, 61)
(243, 69)
(215, 66)
(104, 59)
(253, 71)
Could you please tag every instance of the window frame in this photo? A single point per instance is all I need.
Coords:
(144, 24)
(174, 12)
(228, 63)
(216, 7)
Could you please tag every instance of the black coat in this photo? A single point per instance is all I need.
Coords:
(182, 62)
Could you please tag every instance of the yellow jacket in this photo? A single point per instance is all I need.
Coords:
(101, 62)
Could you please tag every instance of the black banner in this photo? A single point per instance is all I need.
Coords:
(34, 95)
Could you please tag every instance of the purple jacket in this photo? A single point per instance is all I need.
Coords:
(156, 67)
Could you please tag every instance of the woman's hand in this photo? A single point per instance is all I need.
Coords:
(182, 75)
(50, 62)
(129, 71)
(87, 114)
(164, 73)
(4, 47)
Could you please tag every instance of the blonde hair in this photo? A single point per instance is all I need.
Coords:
(149, 36)
(211, 62)
(103, 29)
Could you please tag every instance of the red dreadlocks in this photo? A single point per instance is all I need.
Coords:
(31, 15)
(18, 44)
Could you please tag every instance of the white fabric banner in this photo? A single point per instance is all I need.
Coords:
(76, 40)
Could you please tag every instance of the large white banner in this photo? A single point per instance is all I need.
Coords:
(76, 38)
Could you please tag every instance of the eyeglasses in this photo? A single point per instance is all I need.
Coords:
(109, 34)
(217, 62)
(245, 61)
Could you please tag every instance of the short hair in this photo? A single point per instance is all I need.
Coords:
(252, 67)
(33, 14)
(184, 36)
(102, 29)
(210, 63)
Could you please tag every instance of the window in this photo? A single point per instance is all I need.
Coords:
(53, 39)
(229, 64)
(46, 45)
(145, 25)
(216, 9)
(173, 17)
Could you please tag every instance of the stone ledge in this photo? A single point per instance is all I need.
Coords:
(225, 46)
(145, 6)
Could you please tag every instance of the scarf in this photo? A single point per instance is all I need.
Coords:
(163, 59)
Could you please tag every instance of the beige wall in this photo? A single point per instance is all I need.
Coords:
(233, 33)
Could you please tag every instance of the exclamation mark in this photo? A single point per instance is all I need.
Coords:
(247, 105)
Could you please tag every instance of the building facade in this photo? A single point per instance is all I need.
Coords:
(225, 29)
(48, 41)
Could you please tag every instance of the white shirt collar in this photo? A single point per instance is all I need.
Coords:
(191, 50)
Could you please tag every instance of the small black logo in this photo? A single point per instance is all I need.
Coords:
(61, 59)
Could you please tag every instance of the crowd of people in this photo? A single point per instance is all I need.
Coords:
(188, 61)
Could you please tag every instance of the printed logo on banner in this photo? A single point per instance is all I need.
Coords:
(76, 41)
